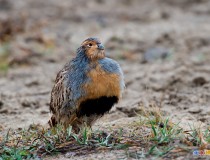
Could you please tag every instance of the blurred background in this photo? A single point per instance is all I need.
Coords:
(163, 47)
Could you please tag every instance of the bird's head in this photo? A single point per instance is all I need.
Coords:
(93, 48)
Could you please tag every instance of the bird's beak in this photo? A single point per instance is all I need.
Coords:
(100, 47)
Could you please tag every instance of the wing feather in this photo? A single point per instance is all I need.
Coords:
(60, 93)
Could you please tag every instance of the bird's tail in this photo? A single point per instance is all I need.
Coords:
(52, 122)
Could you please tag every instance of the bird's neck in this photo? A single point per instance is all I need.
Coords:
(82, 56)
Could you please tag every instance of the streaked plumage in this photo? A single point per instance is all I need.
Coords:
(86, 88)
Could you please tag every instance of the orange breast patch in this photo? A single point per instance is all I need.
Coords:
(102, 84)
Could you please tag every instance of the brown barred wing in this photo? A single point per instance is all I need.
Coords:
(59, 95)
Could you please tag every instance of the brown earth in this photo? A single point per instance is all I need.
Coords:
(162, 46)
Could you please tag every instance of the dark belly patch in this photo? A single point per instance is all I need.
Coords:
(97, 106)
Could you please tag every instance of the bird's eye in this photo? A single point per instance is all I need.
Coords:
(90, 44)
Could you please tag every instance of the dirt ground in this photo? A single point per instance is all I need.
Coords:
(163, 48)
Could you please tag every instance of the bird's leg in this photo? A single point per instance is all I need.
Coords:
(87, 127)
(76, 128)
(66, 121)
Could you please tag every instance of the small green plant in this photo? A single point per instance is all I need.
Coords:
(198, 137)
(163, 133)
(15, 153)
(155, 150)
(207, 134)
(83, 139)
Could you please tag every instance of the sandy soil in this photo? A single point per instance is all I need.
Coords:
(162, 46)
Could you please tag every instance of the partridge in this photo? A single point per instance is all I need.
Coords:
(86, 88)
